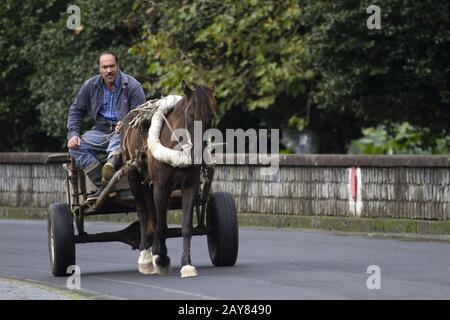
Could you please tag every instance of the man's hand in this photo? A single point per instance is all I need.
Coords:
(118, 127)
(74, 142)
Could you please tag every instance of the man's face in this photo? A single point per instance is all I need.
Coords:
(108, 68)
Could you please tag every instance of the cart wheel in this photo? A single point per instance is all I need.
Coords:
(61, 242)
(223, 240)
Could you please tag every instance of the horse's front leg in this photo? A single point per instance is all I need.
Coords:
(161, 262)
(135, 179)
(189, 198)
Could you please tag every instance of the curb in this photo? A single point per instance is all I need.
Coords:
(348, 224)
(19, 289)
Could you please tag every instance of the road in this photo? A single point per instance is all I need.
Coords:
(272, 264)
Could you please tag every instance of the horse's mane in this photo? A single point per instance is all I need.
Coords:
(201, 106)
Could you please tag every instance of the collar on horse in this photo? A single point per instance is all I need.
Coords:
(174, 158)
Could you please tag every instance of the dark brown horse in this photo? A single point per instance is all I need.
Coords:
(198, 104)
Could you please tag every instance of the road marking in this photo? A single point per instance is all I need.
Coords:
(155, 287)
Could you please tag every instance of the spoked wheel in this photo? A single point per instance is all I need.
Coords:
(223, 240)
(61, 242)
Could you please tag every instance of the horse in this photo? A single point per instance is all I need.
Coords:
(152, 181)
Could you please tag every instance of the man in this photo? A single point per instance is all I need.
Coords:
(107, 98)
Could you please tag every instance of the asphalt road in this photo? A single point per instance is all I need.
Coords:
(271, 265)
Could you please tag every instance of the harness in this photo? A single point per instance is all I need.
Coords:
(153, 114)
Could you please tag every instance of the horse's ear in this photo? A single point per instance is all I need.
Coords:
(187, 91)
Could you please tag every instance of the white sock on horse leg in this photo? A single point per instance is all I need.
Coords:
(158, 269)
(188, 271)
(145, 262)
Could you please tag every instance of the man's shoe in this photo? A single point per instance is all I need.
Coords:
(110, 168)
(108, 172)
(95, 175)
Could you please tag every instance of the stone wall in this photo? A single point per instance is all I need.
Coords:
(411, 187)
(413, 192)
(27, 184)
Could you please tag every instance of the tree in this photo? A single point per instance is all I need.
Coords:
(46, 64)
(304, 64)
(20, 25)
(400, 138)
(254, 51)
(396, 74)
(308, 63)
(65, 58)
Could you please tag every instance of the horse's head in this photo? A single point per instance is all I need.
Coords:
(200, 103)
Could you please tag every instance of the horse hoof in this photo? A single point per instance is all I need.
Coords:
(158, 269)
(145, 262)
(188, 271)
(146, 268)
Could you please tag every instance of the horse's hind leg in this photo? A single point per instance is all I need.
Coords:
(145, 262)
(161, 262)
(189, 197)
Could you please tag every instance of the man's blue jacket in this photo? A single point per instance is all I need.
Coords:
(90, 98)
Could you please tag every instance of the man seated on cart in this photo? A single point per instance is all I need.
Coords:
(107, 98)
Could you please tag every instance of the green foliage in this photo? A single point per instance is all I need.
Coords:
(20, 24)
(253, 50)
(395, 74)
(308, 63)
(66, 58)
(305, 65)
(399, 139)
(46, 64)
(298, 123)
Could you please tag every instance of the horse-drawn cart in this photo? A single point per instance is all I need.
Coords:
(216, 218)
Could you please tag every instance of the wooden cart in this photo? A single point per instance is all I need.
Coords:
(216, 218)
